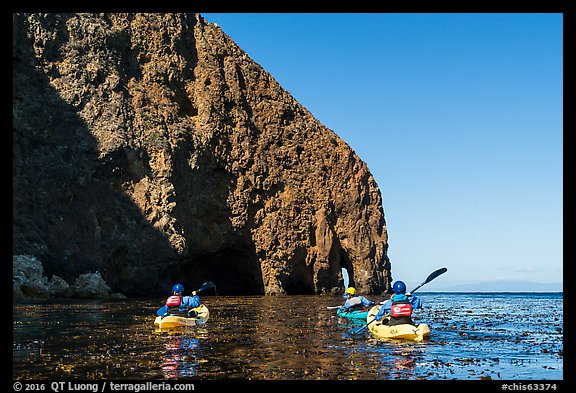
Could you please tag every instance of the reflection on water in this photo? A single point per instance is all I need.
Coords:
(404, 362)
(180, 357)
(289, 338)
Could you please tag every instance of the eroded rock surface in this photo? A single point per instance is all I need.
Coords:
(152, 149)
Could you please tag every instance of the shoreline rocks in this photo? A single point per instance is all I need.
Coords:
(29, 282)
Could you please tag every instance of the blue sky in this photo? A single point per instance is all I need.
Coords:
(459, 117)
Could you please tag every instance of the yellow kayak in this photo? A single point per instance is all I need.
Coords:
(404, 331)
(175, 321)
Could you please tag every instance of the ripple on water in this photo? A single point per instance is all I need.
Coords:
(288, 337)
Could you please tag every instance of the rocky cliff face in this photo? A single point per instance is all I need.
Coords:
(152, 149)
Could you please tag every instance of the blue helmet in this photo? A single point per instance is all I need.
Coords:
(399, 287)
(179, 288)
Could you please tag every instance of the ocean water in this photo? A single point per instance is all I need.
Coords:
(474, 336)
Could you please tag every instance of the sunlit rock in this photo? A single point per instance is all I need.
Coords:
(152, 149)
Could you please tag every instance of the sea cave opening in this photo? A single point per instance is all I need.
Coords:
(234, 272)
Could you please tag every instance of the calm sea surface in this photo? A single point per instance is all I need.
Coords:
(498, 336)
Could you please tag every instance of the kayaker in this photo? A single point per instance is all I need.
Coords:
(177, 304)
(399, 306)
(354, 302)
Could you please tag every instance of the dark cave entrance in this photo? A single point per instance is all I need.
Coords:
(298, 280)
(299, 285)
(234, 272)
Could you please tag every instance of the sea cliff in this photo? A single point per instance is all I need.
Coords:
(151, 149)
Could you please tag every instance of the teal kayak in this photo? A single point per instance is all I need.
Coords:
(354, 314)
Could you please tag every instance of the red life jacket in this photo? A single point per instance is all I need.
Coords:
(400, 312)
(173, 301)
(401, 309)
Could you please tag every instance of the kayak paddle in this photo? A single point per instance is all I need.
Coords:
(431, 277)
(206, 285)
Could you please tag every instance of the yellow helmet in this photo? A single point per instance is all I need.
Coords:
(351, 290)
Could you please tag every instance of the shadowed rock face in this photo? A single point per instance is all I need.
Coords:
(151, 148)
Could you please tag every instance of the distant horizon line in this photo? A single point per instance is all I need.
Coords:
(504, 285)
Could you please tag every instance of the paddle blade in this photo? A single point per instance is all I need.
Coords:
(345, 277)
(431, 277)
(435, 274)
(206, 285)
